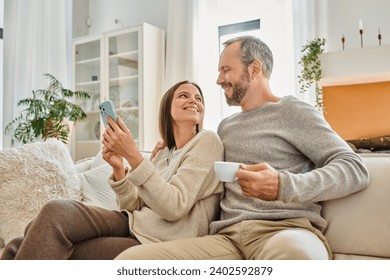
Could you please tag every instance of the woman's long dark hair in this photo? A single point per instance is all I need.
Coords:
(165, 117)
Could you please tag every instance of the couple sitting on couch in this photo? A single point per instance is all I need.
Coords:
(171, 204)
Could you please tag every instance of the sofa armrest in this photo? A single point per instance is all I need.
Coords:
(359, 224)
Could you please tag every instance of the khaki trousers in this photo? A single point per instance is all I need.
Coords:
(267, 240)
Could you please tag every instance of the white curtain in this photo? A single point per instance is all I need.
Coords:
(192, 51)
(36, 41)
(180, 38)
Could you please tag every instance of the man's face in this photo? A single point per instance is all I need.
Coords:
(233, 75)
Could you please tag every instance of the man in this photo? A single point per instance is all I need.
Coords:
(292, 160)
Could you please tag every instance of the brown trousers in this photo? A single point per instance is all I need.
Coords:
(66, 229)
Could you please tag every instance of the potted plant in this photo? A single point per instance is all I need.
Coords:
(47, 113)
(311, 68)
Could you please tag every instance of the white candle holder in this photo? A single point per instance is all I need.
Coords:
(361, 32)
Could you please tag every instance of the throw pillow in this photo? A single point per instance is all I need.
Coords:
(31, 175)
(98, 160)
(94, 183)
(83, 165)
(95, 187)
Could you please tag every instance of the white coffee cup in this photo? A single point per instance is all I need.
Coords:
(226, 171)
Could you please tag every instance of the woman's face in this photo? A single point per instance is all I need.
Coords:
(187, 105)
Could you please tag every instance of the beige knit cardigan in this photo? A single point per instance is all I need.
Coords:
(176, 195)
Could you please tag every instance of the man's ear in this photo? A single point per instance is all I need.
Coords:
(256, 68)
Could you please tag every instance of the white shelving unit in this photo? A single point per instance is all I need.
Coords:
(125, 66)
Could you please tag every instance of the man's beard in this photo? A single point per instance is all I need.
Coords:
(239, 91)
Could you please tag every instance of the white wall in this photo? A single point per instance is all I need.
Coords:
(343, 18)
(80, 14)
(103, 13)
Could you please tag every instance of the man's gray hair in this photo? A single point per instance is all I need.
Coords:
(252, 48)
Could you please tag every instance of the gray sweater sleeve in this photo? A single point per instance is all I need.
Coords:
(337, 170)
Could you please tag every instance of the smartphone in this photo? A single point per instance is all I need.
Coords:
(107, 109)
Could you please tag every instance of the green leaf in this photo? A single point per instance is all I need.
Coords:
(46, 113)
(311, 68)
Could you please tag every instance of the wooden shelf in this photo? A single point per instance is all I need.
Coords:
(356, 66)
(356, 79)
(121, 81)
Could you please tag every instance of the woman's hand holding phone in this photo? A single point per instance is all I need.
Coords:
(118, 141)
(116, 162)
(107, 109)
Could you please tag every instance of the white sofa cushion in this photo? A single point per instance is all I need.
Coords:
(31, 175)
(96, 189)
(94, 182)
(359, 224)
(83, 164)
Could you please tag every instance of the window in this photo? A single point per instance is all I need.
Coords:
(226, 32)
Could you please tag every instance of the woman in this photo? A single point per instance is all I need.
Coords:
(174, 196)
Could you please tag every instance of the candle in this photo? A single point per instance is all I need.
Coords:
(360, 24)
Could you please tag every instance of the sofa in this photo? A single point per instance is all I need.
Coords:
(358, 225)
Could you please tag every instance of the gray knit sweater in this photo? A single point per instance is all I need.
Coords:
(314, 163)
